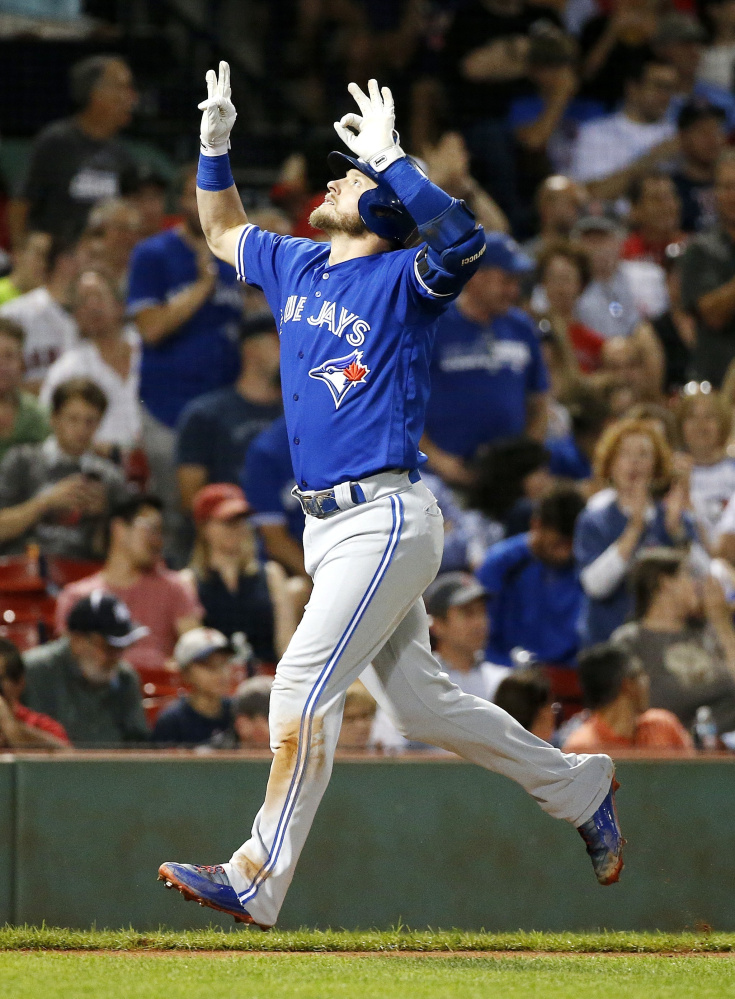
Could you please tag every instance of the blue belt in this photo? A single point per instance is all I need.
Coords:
(323, 503)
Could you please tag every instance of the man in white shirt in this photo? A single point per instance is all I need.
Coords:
(49, 328)
(611, 152)
(457, 607)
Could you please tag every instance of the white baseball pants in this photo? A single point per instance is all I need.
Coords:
(370, 565)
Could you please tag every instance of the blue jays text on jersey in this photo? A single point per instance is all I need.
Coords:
(356, 340)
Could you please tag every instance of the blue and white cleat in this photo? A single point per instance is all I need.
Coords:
(208, 886)
(604, 840)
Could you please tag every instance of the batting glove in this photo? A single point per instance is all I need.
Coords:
(219, 113)
(371, 135)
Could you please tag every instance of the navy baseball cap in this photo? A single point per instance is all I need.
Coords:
(103, 614)
(452, 589)
(503, 252)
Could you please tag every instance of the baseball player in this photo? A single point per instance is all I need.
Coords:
(356, 317)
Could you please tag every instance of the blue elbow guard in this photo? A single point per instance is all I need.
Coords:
(456, 238)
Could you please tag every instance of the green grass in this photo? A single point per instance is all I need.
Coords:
(328, 976)
(371, 941)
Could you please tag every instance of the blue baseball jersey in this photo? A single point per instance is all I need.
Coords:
(356, 340)
(268, 479)
(481, 377)
(203, 353)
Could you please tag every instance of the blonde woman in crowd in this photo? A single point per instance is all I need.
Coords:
(635, 463)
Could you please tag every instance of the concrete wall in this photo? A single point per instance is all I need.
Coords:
(437, 843)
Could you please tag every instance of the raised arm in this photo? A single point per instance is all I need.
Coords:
(220, 208)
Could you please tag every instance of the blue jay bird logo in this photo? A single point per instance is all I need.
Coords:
(340, 373)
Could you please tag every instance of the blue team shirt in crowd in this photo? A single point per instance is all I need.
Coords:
(268, 479)
(217, 429)
(532, 605)
(566, 460)
(481, 377)
(356, 340)
(598, 526)
(203, 353)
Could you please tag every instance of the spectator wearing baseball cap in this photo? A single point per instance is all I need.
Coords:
(488, 378)
(622, 293)
(238, 594)
(215, 430)
(457, 606)
(250, 709)
(203, 657)
(135, 572)
(82, 680)
(702, 137)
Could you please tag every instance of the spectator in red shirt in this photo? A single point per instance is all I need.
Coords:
(616, 691)
(564, 273)
(21, 728)
(134, 572)
(655, 214)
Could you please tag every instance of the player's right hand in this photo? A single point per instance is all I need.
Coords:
(218, 113)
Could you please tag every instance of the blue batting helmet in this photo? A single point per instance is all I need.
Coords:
(379, 208)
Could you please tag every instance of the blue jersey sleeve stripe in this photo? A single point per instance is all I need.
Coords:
(240, 255)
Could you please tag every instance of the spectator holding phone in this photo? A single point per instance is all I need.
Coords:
(57, 493)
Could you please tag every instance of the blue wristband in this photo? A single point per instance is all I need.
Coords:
(214, 173)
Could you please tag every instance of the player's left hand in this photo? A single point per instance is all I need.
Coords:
(219, 113)
(371, 135)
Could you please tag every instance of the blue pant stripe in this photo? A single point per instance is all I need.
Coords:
(307, 715)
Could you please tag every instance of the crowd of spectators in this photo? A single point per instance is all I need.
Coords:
(579, 433)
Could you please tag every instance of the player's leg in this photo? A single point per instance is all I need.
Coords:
(368, 566)
(426, 706)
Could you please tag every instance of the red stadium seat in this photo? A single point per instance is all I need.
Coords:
(62, 571)
(565, 688)
(20, 574)
(24, 634)
(153, 706)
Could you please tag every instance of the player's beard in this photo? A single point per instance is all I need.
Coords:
(326, 218)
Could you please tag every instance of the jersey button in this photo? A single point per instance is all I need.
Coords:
(296, 440)
(304, 483)
(296, 397)
(301, 353)
(317, 294)
(324, 277)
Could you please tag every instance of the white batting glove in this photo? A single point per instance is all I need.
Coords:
(371, 135)
(219, 113)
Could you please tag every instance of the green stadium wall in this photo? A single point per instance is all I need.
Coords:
(428, 843)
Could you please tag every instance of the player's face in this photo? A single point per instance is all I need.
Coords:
(338, 213)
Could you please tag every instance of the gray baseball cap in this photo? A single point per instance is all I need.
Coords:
(603, 221)
(452, 589)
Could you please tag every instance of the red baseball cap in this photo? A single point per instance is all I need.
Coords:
(220, 501)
